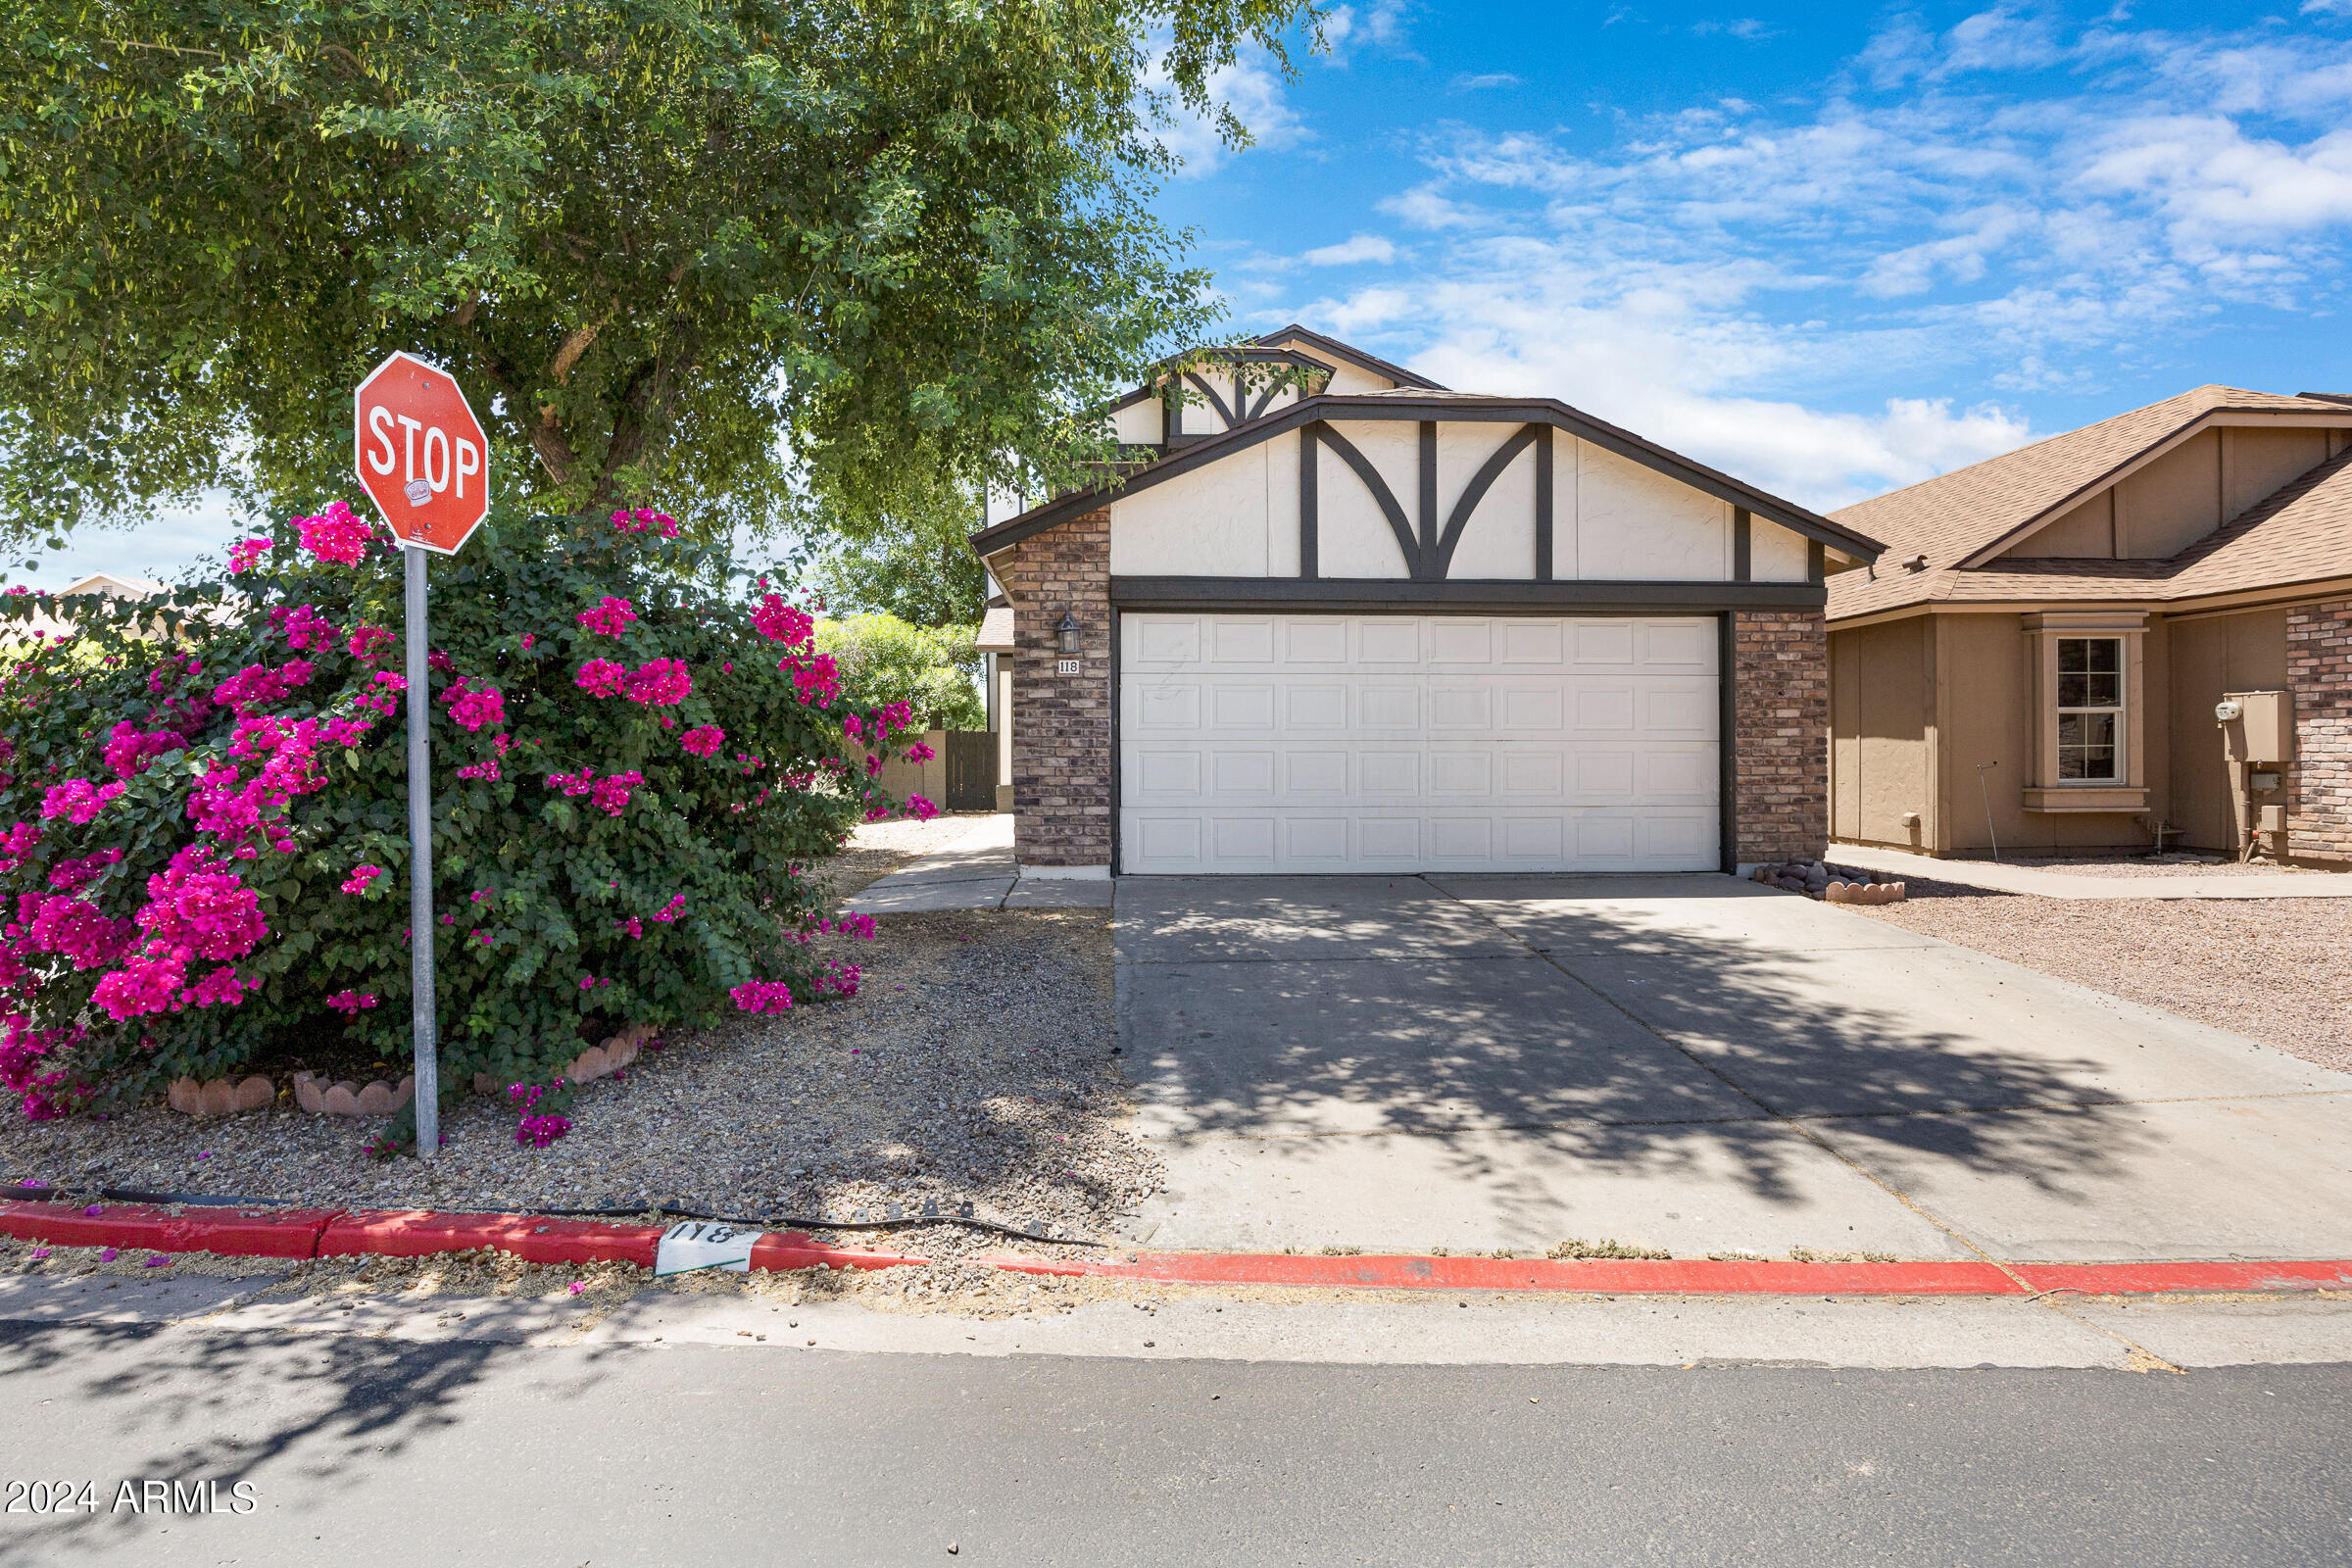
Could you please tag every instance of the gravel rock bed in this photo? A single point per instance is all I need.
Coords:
(2170, 865)
(977, 1064)
(2275, 971)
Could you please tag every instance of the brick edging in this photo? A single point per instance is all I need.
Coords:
(395, 1233)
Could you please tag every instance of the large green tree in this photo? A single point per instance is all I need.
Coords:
(736, 255)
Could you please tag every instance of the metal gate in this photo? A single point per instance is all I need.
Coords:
(971, 771)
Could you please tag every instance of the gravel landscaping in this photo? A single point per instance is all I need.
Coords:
(2275, 971)
(976, 1064)
(2139, 865)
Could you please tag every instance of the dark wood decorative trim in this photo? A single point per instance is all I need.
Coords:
(1410, 596)
(1544, 566)
(1309, 505)
(1817, 561)
(1264, 401)
(1727, 746)
(1398, 524)
(1743, 544)
(1215, 400)
(1429, 564)
(1412, 406)
(1476, 491)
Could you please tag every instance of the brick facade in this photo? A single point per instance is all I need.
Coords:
(2319, 671)
(1061, 755)
(1781, 734)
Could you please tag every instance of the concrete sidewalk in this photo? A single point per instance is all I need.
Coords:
(2004, 878)
(1688, 1063)
(976, 872)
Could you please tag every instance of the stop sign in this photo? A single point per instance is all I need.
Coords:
(420, 454)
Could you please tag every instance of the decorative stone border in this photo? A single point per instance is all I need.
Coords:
(220, 1097)
(323, 1098)
(1829, 882)
(1864, 893)
(597, 1061)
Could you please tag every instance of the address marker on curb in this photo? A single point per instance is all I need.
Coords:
(692, 1245)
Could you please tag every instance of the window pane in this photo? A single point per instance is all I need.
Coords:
(2086, 746)
(2091, 690)
(2099, 656)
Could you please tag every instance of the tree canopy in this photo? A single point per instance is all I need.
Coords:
(734, 253)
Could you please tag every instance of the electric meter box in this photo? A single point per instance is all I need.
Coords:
(2264, 731)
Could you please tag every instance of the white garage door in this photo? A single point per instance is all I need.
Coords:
(1403, 743)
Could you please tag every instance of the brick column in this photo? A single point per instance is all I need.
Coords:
(1062, 753)
(2319, 671)
(1780, 729)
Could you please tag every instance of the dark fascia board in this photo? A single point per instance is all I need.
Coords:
(1404, 406)
(1373, 595)
(1354, 356)
(1248, 353)
(2327, 397)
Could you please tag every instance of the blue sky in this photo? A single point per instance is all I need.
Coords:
(1831, 250)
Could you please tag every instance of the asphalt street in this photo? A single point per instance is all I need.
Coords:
(363, 1450)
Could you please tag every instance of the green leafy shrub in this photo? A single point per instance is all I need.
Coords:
(884, 660)
(635, 761)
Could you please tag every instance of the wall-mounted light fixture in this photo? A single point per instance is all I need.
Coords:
(1070, 635)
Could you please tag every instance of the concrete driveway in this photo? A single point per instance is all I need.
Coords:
(1690, 1062)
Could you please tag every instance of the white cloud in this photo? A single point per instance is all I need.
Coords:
(159, 549)
(1499, 78)
(1355, 247)
(1380, 23)
(2005, 205)
(1253, 89)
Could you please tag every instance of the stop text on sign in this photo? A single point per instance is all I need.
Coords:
(420, 453)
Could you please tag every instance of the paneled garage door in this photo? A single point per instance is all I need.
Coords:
(1405, 743)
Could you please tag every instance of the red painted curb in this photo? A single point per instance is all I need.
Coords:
(395, 1233)
(779, 1251)
(230, 1232)
(1629, 1275)
(2156, 1279)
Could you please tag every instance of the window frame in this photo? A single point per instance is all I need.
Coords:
(2118, 746)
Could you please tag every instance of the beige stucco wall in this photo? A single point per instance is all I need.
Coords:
(2212, 655)
(1882, 708)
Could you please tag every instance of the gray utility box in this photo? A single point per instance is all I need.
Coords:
(2264, 731)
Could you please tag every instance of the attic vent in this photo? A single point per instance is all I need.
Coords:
(1916, 563)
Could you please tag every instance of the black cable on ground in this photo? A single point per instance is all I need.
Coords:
(132, 1195)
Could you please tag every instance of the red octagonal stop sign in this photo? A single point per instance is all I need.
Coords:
(420, 454)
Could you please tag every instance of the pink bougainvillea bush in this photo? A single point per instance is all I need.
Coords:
(202, 839)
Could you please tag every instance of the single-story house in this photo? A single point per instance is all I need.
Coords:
(2042, 658)
(1332, 616)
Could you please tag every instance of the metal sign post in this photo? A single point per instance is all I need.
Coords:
(414, 443)
(427, 1094)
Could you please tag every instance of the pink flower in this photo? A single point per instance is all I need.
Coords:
(612, 793)
(781, 622)
(200, 907)
(140, 987)
(481, 770)
(633, 926)
(241, 556)
(602, 677)
(476, 708)
(220, 988)
(334, 535)
(660, 682)
(704, 739)
(304, 627)
(67, 925)
(71, 877)
(670, 911)
(256, 684)
(360, 878)
(76, 801)
(610, 617)
(128, 751)
(763, 995)
(924, 811)
(349, 1002)
(919, 753)
(368, 643)
(528, 638)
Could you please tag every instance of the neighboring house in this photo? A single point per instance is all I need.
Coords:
(2039, 654)
(1353, 621)
(104, 584)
